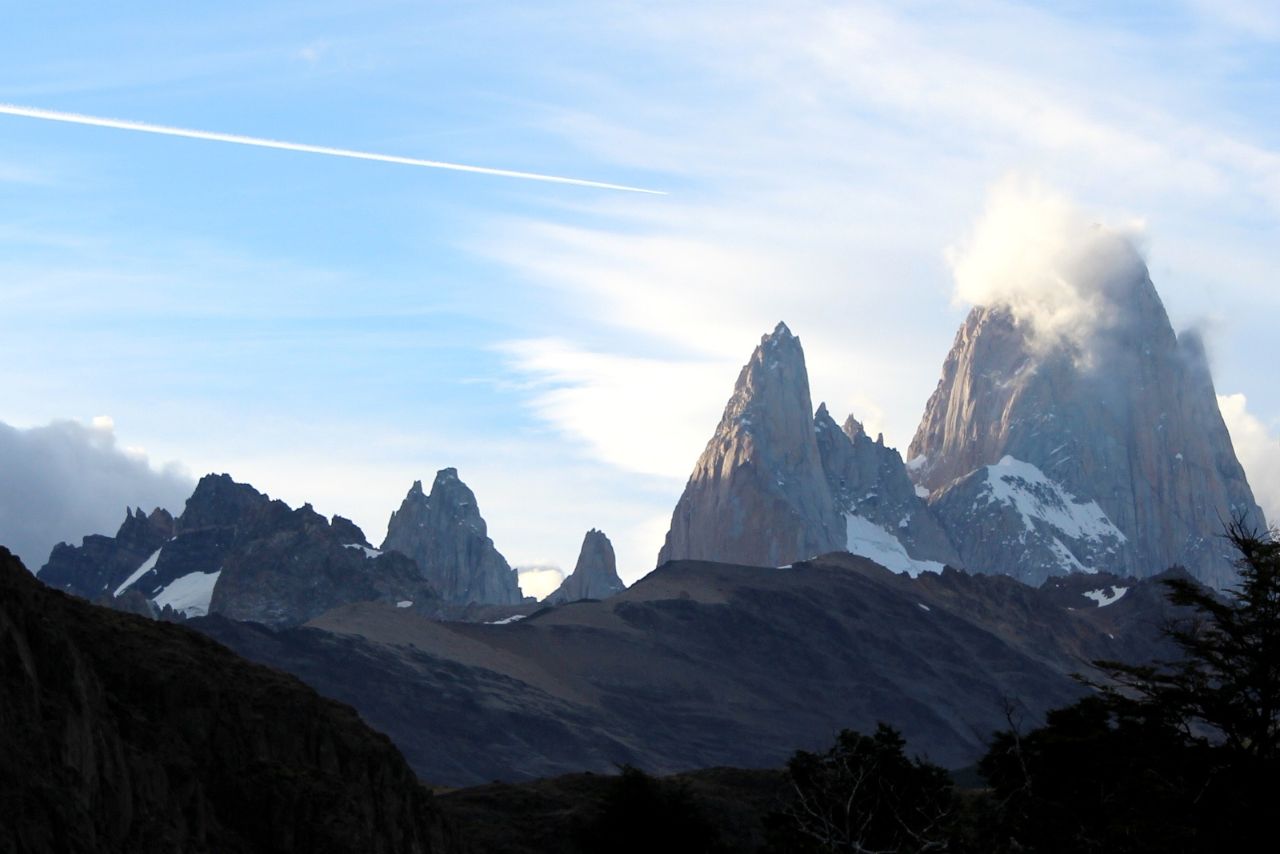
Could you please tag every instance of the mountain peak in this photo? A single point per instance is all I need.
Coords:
(853, 427)
(1121, 413)
(447, 537)
(757, 494)
(595, 576)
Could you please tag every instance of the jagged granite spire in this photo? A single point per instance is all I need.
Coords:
(595, 576)
(757, 494)
(886, 518)
(1109, 450)
(445, 535)
(99, 564)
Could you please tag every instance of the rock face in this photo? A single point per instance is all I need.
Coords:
(778, 483)
(236, 552)
(444, 534)
(886, 519)
(1101, 453)
(121, 734)
(594, 577)
(101, 563)
(758, 494)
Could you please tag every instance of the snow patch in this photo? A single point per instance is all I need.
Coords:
(368, 552)
(869, 540)
(145, 567)
(405, 603)
(1105, 597)
(514, 618)
(1034, 495)
(190, 594)
(916, 463)
(924, 606)
(921, 491)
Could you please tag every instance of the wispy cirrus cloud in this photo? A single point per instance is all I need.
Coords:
(826, 155)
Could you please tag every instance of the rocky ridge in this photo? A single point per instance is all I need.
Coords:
(234, 551)
(99, 565)
(886, 518)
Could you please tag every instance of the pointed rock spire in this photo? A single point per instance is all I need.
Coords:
(885, 518)
(594, 577)
(757, 494)
(446, 536)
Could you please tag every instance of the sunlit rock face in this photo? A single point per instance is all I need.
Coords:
(758, 494)
(595, 576)
(1099, 451)
(445, 535)
(779, 483)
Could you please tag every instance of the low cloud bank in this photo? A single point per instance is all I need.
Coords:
(1054, 267)
(66, 479)
(1258, 449)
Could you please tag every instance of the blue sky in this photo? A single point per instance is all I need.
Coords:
(331, 330)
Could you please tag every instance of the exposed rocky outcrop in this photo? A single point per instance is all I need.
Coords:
(595, 576)
(237, 552)
(869, 483)
(301, 565)
(779, 483)
(100, 563)
(1124, 418)
(121, 734)
(758, 494)
(445, 535)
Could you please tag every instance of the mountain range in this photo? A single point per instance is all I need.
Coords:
(811, 579)
(1103, 452)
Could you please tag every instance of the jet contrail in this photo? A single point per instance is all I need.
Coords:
(214, 136)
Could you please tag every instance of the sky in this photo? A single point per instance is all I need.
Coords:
(330, 330)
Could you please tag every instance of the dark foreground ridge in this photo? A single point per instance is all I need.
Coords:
(121, 734)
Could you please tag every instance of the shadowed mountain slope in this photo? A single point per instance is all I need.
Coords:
(122, 734)
(701, 664)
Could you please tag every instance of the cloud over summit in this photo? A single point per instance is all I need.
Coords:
(1060, 272)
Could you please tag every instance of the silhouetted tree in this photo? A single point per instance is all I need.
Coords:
(644, 814)
(1226, 688)
(1173, 756)
(865, 795)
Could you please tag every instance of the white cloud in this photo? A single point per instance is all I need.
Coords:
(1035, 253)
(648, 416)
(829, 154)
(1258, 449)
(539, 581)
(66, 480)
